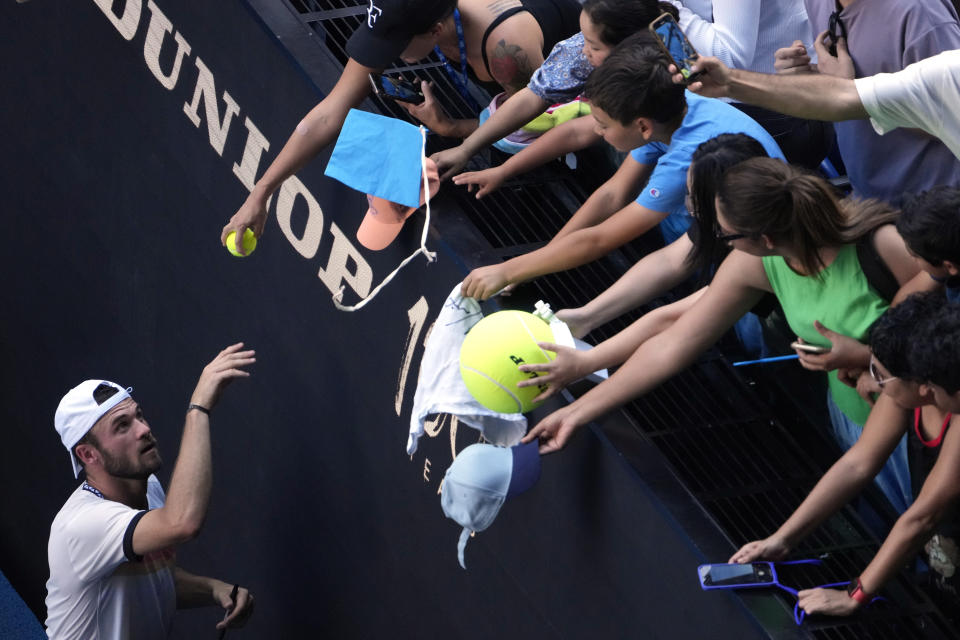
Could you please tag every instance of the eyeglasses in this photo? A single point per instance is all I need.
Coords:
(832, 29)
(728, 237)
(877, 376)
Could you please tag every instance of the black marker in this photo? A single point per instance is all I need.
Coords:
(233, 599)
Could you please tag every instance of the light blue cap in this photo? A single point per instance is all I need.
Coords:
(480, 479)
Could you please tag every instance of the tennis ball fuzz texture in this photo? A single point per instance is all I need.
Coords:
(491, 353)
(249, 243)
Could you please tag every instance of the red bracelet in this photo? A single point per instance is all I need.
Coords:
(855, 591)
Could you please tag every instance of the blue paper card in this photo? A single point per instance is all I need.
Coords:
(380, 156)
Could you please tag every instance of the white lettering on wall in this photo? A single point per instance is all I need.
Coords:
(417, 315)
(206, 87)
(342, 253)
(127, 23)
(257, 143)
(308, 243)
(159, 27)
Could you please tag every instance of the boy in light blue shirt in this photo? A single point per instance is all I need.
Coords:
(636, 107)
(666, 189)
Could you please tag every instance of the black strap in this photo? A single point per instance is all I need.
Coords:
(878, 274)
(493, 25)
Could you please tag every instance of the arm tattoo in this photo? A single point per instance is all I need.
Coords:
(510, 66)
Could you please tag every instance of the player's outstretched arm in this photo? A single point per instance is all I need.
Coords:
(182, 516)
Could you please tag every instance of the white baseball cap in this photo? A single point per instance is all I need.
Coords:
(79, 410)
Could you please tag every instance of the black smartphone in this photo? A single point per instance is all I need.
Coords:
(395, 88)
(675, 44)
(732, 576)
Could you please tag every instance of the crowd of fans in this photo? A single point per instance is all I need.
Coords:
(728, 161)
(848, 269)
(730, 166)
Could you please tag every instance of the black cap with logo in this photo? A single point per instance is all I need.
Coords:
(389, 27)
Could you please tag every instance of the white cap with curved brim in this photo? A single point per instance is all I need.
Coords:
(79, 410)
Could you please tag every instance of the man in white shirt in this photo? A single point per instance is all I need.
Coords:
(924, 95)
(113, 573)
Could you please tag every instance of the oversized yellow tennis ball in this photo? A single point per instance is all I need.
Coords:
(249, 243)
(491, 353)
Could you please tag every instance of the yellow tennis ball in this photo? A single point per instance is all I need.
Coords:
(249, 243)
(491, 353)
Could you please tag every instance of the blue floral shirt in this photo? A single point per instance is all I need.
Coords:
(562, 75)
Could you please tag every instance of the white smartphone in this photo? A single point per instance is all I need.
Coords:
(809, 348)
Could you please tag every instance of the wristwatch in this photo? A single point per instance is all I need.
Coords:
(855, 591)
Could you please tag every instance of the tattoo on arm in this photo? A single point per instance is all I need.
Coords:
(510, 66)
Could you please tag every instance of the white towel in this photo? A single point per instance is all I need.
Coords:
(440, 388)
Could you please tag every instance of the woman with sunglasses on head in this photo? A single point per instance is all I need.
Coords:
(795, 239)
(696, 253)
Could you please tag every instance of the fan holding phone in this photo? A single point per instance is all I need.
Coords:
(675, 44)
(747, 34)
(843, 354)
(502, 42)
(395, 88)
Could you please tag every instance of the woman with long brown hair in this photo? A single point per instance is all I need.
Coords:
(793, 237)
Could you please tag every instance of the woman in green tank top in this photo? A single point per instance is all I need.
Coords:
(806, 240)
(808, 249)
(793, 237)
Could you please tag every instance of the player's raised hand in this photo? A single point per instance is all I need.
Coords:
(222, 370)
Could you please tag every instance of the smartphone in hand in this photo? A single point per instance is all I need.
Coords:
(736, 576)
(675, 44)
(396, 88)
(809, 348)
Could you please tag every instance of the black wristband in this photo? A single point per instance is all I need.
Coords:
(191, 407)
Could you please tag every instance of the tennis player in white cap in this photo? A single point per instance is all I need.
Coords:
(112, 549)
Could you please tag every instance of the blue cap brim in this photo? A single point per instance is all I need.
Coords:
(526, 467)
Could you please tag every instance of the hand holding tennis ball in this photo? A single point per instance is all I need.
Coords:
(249, 243)
(491, 353)
(251, 215)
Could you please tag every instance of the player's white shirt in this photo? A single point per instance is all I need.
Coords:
(925, 95)
(98, 588)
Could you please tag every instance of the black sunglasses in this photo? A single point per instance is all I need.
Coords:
(835, 30)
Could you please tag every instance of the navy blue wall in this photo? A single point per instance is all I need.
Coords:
(113, 205)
